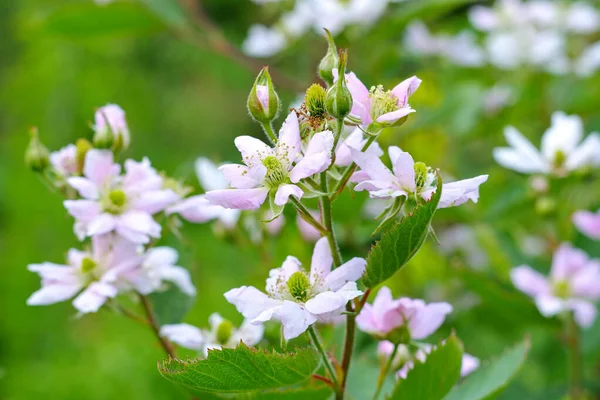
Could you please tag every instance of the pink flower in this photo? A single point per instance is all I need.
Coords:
(158, 266)
(469, 362)
(386, 315)
(377, 105)
(222, 333)
(409, 178)
(573, 285)
(123, 204)
(355, 140)
(64, 161)
(588, 223)
(111, 118)
(274, 171)
(94, 275)
(307, 231)
(299, 299)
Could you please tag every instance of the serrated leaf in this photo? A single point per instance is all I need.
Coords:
(171, 305)
(89, 20)
(306, 393)
(242, 369)
(401, 242)
(434, 378)
(491, 378)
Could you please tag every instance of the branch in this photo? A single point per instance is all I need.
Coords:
(166, 345)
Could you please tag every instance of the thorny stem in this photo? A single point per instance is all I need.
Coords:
(384, 371)
(166, 345)
(314, 336)
(305, 214)
(268, 128)
(574, 349)
(348, 172)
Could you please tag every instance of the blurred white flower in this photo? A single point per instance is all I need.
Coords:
(263, 41)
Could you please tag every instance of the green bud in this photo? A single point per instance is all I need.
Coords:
(263, 102)
(330, 61)
(104, 138)
(83, 146)
(87, 265)
(224, 331)
(338, 101)
(37, 157)
(299, 286)
(315, 100)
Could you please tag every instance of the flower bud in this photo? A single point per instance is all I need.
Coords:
(82, 146)
(263, 102)
(315, 100)
(330, 61)
(37, 157)
(110, 129)
(338, 101)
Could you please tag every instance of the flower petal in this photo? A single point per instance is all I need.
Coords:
(529, 281)
(586, 154)
(153, 201)
(295, 319)
(278, 277)
(288, 145)
(285, 191)
(405, 89)
(522, 156)
(321, 262)
(373, 166)
(242, 177)
(99, 166)
(325, 302)
(252, 149)
(564, 134)
(209, 176)
(85, 187)
(317, 157)
(428, 319)
(185, 335)
(92, 298)
(250, 301)
(459, 192)
(241, 199)
(588, 223)
(350, 271)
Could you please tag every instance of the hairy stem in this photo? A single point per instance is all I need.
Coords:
(268, 128)
(314, 337)
(166, 345)
(339, 188)
(384, 371)
(305, 214)
(574, 350)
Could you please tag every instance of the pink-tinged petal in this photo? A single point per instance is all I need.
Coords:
(394, 116)
(154, 201)
(584, 312)
(321, 262)
(361, 101)
(137, 227)
(53, 293)
(196, 209)
(529, 281)
(324, 303)
(295, 319)
(350, 271)
(241, 199)
(209, 176)
(252, 149)
(403, 166)
(288, 144)
(101, 224)
(428, 319)
(459, 192)
(99, 166)
(549, 305)
(92, 298)
(185, 335)
(278, 277)
(84, 210)
(367, 321)
(586, 154)
(469, 364)
(567, 261)
(180, 277)
(140, 177)
(316, 159)
(262, 93)
(54, 272)
(373, 166)
(242, 177)
(250, 301)
(405, 89)
(588, 223)
(101, 246)
(307, 231)
(85, 187)
(343, 157)
(586, 282)
(522, 156)
(284, 192)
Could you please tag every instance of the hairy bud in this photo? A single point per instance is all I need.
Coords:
(110, 128)
(315, 100)
(330, 61)
(263, 102)
(37, 157)
(338, 101)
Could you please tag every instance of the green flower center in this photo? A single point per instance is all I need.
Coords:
(299, 286)
(276, 173)
(382, 101)
(115, 201)
(420, 174)
(559, 158)
(561, 289)
(88, 265)
(224, 331)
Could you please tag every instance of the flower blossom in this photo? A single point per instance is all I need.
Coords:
(111, 202)
(64, 161)
(299, 298)
(378, 105)
(561, 150)
(222, 333)
(573, 285)
(588, 223)
(272, 171)
(111, 119)
(90, 276)
(409, 179)
(356, 140)
(413, 317)
(198, 209)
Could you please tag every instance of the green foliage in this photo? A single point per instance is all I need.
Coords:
(88, 20)
(169, 11)
(171, 305)
(401, 242)
(491, 378)
(432, 379)
(242, 369)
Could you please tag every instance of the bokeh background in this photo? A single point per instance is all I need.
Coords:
(61, 59)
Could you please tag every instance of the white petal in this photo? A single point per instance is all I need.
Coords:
(209, 175)
(53, 293)
(185, 335)
(586, 154)
(348, 272)
(321, 262)
(317, 157)
(295, 319)
(325, 302)
(289, 138)
(285, 191)
(241, 199)
(252, 149)
(563, 135)
(250, 301)
(85, 187)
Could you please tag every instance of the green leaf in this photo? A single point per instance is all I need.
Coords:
(171, 305)
(89, 20)
(432, 379)
(491, 378)
(401, 242)
(242, 369)
(306, 393)
(169, 11)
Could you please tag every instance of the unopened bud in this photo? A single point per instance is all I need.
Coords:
(338, 101)
(545, 206)
(330, 61)
(82, 145)
(263, 102)
(315, 100)
(110, 129)
(37, 157)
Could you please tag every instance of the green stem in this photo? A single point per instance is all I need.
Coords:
(349, 171)
(384, 371)
(268, 128)
(314, 336)
(305, 214)
(328, 222)
(574, 349)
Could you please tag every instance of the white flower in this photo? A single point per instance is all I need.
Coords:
(561, 150)
(263, 41)
(299, 298)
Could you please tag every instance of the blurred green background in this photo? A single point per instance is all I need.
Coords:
(62, 59)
